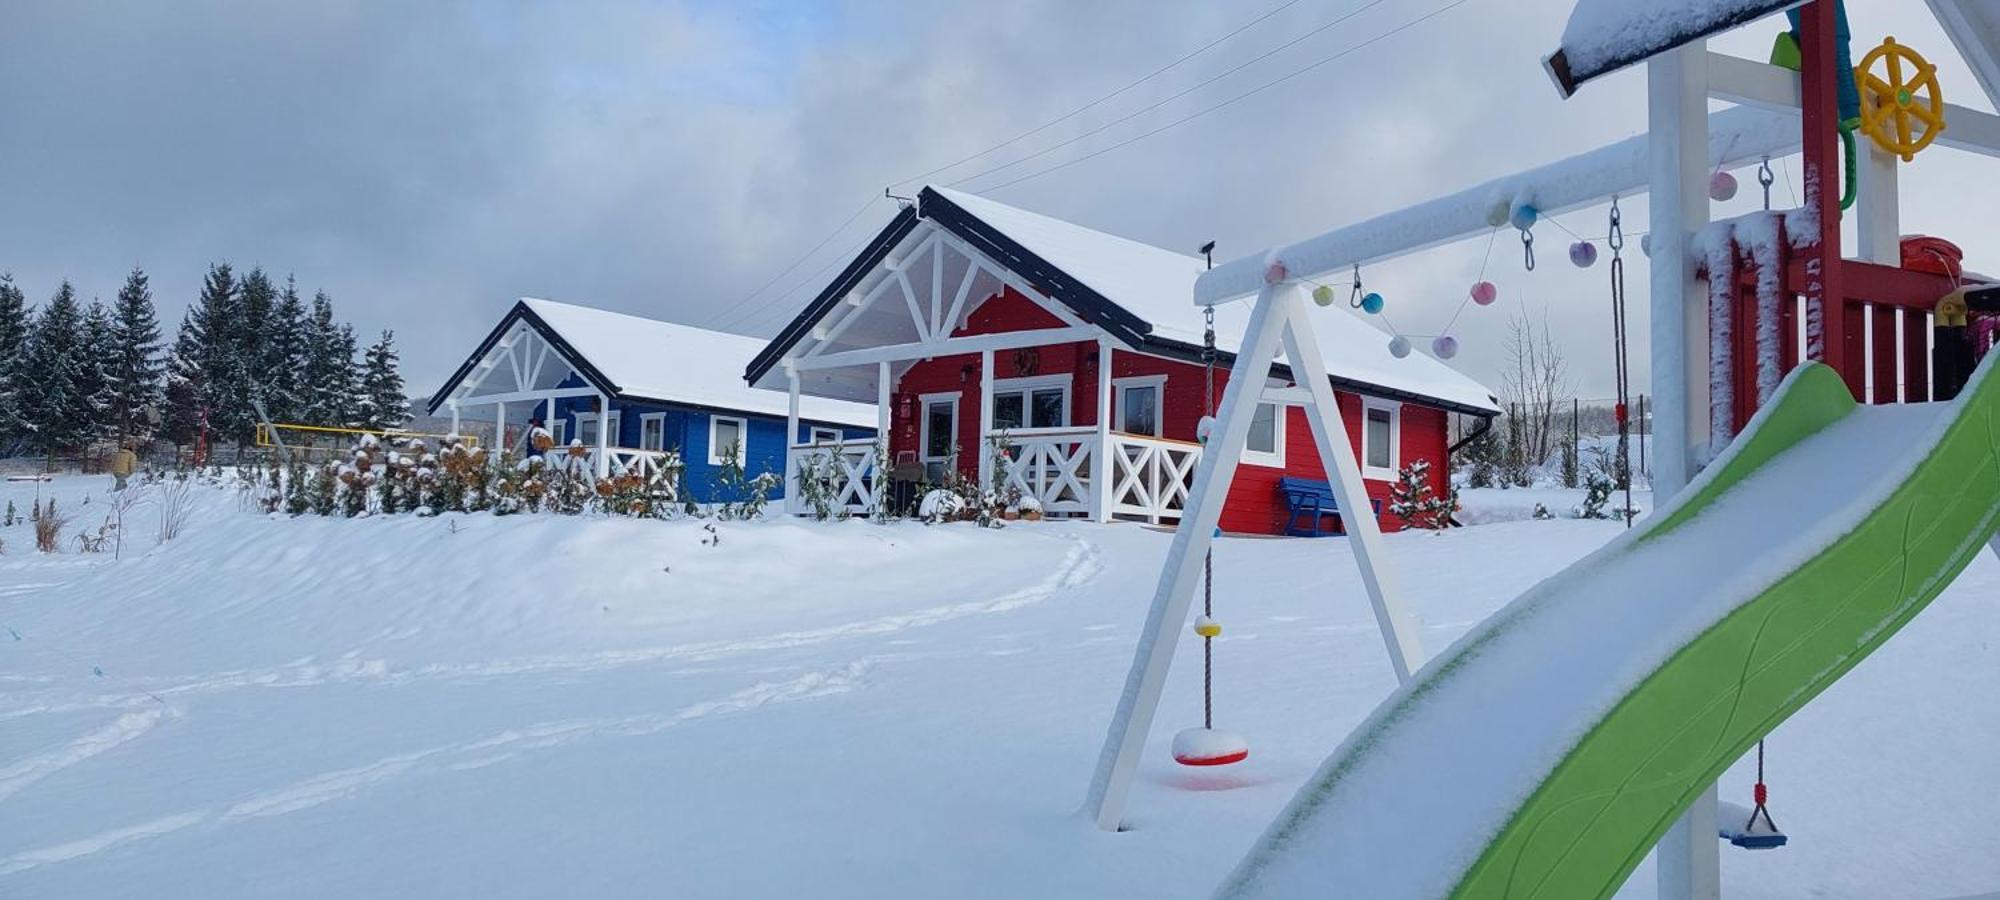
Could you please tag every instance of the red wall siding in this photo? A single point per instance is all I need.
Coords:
(1253, 506)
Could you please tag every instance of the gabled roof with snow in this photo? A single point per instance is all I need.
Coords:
(1604, 36)
(635, 358)
(1143, 295)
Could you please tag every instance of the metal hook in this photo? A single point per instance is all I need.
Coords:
(1528, 248)
(1354, 294)
(1765, 178)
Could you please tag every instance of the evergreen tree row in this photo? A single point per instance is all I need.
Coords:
(71, 375)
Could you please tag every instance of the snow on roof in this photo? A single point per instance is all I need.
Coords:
(656, 360)
(1603, 35)
(1158, 286)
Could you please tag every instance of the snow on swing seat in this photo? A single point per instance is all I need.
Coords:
(1208, 747)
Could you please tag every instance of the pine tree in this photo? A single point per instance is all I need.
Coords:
(51, 401)
(94, 372)
(13, 350)
(328, 387)
(257, 297)
(383, 403)
(134, 366)
(345, 391)
(285, 356)
(186, 385)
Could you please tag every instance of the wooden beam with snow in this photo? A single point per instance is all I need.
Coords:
(1736, 136)
(1974, 28)
(1009, 340)
(1776, 89)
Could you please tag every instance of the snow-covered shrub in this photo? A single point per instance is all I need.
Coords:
(814, 481)
(1413, 500)
(941, 505)
(49, 525)
(1542, 512)
(750, 493)
(1596, 493)
(176, 499)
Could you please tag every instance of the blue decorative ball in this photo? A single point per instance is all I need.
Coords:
(1524, 215)
(1372, 303)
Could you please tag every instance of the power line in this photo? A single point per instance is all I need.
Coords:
(817, 274)
(1371, 4)
(740, 306)
(1094, 103)
(1260, 88)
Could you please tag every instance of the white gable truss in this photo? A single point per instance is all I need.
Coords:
(522, 365)
(906, 309)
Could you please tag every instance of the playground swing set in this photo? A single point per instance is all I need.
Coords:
(1900, 324)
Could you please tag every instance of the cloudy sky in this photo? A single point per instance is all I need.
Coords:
(426, 163)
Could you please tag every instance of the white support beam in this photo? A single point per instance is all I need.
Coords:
(950, 346)
(512, 396)
(1100, 468)
(500, 445)
(985, 414)
(884, 384)
(791, 435)
(1688, 865)
(454, 416)
(1776, 89)
(1736, 136)
(1292, 394)
(604, 436)
(1877, 217)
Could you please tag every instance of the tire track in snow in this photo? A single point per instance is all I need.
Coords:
(339, 784)
(126, 727)
(1081, 564)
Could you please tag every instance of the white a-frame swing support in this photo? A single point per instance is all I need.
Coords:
(1279, 319)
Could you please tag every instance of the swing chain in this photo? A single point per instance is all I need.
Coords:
(1616, 240)
(1766, 178)
(1528, 248)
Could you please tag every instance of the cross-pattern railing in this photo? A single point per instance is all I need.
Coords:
(1054, 466)
(845, 474)
(1150, 477)
(647, 464)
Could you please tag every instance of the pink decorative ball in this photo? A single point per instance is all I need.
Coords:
(1722, 187)
(1484, 293)
(1204, 428)
(1444, 346)
(1583, 254)
(1274, 273)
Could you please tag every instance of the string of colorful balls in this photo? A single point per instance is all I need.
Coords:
(1522, 215)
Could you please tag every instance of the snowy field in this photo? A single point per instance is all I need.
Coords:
(537, 706)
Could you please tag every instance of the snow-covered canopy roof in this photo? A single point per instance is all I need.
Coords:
(1974, 28)
(1604, 36)
(636, 358)
(1139, 293)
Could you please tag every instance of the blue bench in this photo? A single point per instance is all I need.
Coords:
(1312, 501)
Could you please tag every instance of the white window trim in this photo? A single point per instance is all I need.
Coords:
(617, 424)
(820, 434)
(1118, 388)
(1028, 384)
(1395, 410)
(742, 441)
(924, 402)
(1276, 458)
(559, 430)
(649, 418)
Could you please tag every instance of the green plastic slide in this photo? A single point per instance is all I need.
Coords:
(1822, 530)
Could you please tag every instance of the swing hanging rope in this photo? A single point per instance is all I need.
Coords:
(1208, 559)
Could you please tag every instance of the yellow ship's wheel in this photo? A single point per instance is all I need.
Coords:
(1901, 114)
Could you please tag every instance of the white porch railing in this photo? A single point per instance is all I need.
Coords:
(846, 474)
(1150, 477)
(1054, 466)
(647, 464)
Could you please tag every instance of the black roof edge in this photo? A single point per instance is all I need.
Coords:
(1038, 272)
(1192, 353)
(521, 312)
(801, 325)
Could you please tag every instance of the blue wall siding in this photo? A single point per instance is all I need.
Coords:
(687, 430)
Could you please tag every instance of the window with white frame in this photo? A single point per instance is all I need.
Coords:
(1266, 446)
(726, 436)
(939, 433)
(825, 435)
(653, 431)
(1139, 402)
(1038, 402)
(586, 428)
(1381, 439)
(559, 430)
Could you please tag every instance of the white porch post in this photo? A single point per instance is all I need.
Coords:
(1101, 468)
(603, 436)
(1688, 859)
(499, 431)
(986, 460)
(882, 420)
(791, 437)
(454, 417)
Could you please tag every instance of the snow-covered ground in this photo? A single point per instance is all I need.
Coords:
(536, 706)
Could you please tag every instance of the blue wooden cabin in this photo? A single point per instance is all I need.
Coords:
(669, 389)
